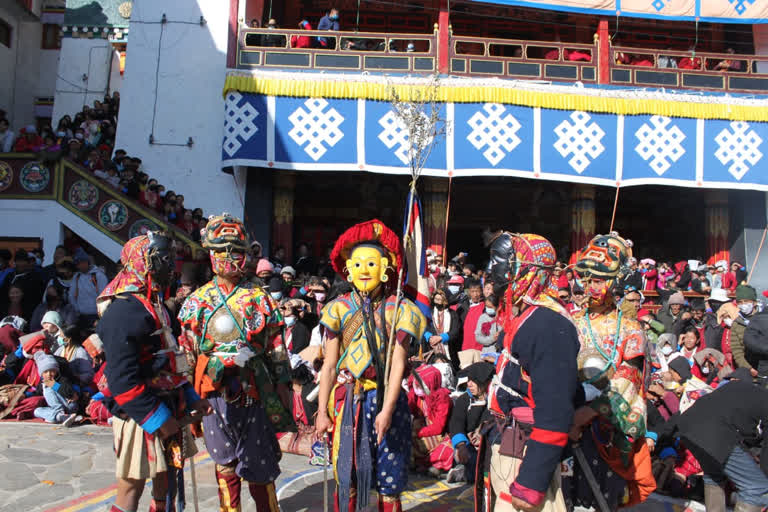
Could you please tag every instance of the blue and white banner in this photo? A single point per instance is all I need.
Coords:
(493, 139)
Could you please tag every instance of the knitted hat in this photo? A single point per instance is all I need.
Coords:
(677, 298)
(45, 362)
(745, 292)
(264, 266)
(52, 317)
(457, 279)
(289, 270)
(682, 367)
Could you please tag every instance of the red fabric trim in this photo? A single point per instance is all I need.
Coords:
(131, 394)
(549, 437)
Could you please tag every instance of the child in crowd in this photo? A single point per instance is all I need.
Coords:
(60, 395)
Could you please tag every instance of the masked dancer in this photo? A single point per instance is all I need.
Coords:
(368, 414)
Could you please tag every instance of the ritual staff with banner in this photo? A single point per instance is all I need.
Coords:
(612, 367)
(536, 387)
(367, 412)
(147, 376)
(229, 324)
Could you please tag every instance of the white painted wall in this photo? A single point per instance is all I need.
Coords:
(49, 67)
(189, 99)
(43, 219)
(8, 65)
(78, 57)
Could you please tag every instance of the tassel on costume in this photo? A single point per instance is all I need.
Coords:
(265, 497)
(351, 505)
(390, 503)
(229, 490)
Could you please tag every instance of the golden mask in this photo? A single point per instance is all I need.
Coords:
(367, 268)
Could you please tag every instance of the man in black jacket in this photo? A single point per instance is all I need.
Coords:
(718, 429)
(756, 343)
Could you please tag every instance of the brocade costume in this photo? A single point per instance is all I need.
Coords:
(612, 361)
(237, 371)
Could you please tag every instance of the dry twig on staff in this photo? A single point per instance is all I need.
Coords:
(418, 112)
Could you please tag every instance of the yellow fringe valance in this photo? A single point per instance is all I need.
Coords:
(351, 89)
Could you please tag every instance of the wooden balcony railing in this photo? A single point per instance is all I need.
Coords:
(345, 51)
(26, 176)
(534, 60)
(689, 70)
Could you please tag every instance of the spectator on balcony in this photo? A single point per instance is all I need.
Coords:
(253, 39)
(74, 148)
(552, 54)
(128, 184)
(273, 40)
(29, 141)
(87, 284)
(577, 55)
(93, 162)
(302, 41)
(118, 158)
(691, 62)
(667, 61)
(7, 137)
(329, 23)
(65, 125)
(729, 64)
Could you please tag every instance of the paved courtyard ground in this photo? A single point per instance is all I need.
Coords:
(54, 469)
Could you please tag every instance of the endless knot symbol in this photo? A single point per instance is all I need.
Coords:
(740, 147)
(497, 132)
(315, 127)
(740, 5)
(581, 138)
(238, 122)
(395, 133)
(660, 143)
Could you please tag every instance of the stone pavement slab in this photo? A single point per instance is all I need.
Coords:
(54, 469)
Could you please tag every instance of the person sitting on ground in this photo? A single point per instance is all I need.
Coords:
(430, 406)
(80, 363)
(469, 411)
(60, 395)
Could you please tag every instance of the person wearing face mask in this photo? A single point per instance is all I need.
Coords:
(458, 300)
(430, 406)
(713, 328)
(443, 335)
(666, 347)
(296, 334)
(746, 299)
(80, 364)
(329, 23)
(710, 366)
(488, 329)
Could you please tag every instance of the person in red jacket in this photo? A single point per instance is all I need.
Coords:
(302, 41)
(430, 405)
(730, 281)
(470, 348)
(29, 141)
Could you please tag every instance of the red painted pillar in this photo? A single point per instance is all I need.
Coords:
(254, 9)
(443, 37)
(604, 52)
(232, 33)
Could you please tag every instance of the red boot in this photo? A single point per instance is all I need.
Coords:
(156, 505)
(229, 490)
(265, 497)
(352, 505)
(390, 503)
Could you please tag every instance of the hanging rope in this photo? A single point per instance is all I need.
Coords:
(754, 262)
(615, 205)
(447, 218)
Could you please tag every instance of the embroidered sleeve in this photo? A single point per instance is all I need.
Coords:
(330, 316)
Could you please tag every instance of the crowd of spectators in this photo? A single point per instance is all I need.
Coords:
(89, 140)
(701, 323)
